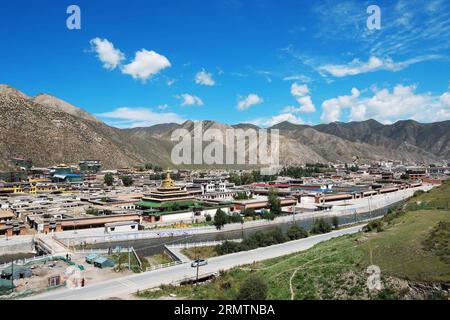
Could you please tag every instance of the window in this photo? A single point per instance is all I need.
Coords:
(112, 229)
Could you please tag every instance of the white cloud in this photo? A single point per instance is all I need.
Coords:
(445, 99)
(271, 121)
(204, 78)
(248, 101)
(145, 65)
(106, 53)
(419, 27)
(389, 106)
(138, 117)
(331, 109)
(299, 77)
(300, 91)
(356, 67)
(306, 105)
(190, 100)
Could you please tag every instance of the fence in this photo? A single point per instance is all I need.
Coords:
(23, 262)
(165, 265)
(200, 244)
(76, 240)
(104, 251)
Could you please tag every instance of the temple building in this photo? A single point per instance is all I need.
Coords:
(166, 199)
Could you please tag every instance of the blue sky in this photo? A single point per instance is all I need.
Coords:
(140, 62)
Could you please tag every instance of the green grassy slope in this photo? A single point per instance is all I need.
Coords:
(412, 251)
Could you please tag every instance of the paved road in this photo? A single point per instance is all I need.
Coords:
(142, 281)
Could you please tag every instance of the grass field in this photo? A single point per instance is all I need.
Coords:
(158, 259)
(203, 252)
(411, 251)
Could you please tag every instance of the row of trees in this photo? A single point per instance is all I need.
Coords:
(276, 236)
(308, 170)
(249, 177)
(222, 218)
(262, 239)
(154, 167)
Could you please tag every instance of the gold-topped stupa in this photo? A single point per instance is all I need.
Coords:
(167, 183)
(166, 192)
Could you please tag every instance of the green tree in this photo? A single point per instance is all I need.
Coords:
(265, 214)
(404, 176)
(253, 288)
(92, 212)
(228, 247)
(249, 212)
(236, 218)
(109, 179)
(295, 232)
(274, 202)
(127, 181)
(220, 219)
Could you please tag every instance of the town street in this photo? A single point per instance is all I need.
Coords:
(146, 280)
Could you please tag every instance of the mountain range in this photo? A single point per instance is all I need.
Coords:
(49, 131)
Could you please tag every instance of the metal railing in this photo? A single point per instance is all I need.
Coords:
(104, 251)
(200, 244)
(162, 266)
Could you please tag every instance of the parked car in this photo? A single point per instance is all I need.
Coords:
(199, 262)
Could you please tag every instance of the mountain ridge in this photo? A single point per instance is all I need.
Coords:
(49, 130)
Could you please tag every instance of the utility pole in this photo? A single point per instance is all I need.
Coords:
(129, 259)
(12, 275)
(198, 266)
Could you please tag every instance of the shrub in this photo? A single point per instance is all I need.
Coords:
(418, 193)
(374, 225)
(92, 212)
(253, 288)
(320, 226)
(228, 247)
(295, 232)
(249, 212)
(235, 218)
(438, 241)
(268, 215)
(127, 181)
(208, 218)
(335, 222)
